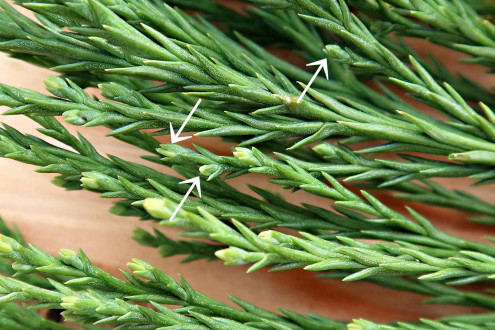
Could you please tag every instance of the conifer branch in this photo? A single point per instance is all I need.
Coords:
(84, 110)
(444, 260)
(15, 317)
(354, 122)
(123, 179)
(251, 97)
(117, 178)
(453, 24)
(168, 247)
(92, 296)
(387, 174)
(153, 73)
(312, 40)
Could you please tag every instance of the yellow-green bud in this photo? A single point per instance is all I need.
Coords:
(209, 169)
(54, 82)
(5, 247)
(74, 117)
(232, 256)
(268, 236)
(246, 155)
(99, 181)
(157, 208)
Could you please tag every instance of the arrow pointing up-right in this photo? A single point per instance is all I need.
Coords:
(195, 183)
(323, 64)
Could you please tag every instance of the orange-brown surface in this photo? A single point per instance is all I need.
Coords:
(52, 219)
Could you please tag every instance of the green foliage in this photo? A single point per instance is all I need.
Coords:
(151, 62)
(87, 294)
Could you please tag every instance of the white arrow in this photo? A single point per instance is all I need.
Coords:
(195, 182)
(323, 65)
(175, 137)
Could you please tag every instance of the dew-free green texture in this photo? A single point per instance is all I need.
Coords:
(152, 61)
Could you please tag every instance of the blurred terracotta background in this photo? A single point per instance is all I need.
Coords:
(52, 219)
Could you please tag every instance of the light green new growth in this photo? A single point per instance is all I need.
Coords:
(151, 62)
(88, 294)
